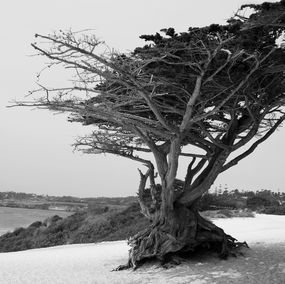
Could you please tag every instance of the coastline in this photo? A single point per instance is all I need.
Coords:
(12, 218)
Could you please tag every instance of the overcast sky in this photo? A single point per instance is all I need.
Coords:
(35, 145)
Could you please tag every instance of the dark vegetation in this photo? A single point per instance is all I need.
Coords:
(274, 210)
(237, 203)
(81, 227)
(112, 223)
(235, 199)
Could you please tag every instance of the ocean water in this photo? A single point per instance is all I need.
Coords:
(12, 218)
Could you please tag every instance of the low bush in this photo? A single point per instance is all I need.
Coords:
(226, 213)
(36, 224)
(244, 213)
(257, 202)
(273, 210)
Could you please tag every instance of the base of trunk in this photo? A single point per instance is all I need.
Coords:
(185, 232)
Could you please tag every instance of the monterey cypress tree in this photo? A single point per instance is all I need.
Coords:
(204, 94)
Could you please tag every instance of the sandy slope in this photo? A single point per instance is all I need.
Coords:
(92, 263)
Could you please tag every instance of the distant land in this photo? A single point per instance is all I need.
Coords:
(61, 203)
(220, 198)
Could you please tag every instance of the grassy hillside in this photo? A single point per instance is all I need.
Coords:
(81, 227)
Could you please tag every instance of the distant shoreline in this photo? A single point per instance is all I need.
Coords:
(13, 217)
(31, 208)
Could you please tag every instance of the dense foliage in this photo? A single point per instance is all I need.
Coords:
(235, 199)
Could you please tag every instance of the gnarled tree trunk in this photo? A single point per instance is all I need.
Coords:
(176, 226)
(183, 230)
(179, 230)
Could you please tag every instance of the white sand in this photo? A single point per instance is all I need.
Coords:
(92, 263)
(262, 228)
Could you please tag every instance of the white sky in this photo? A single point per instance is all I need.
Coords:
(35, 152)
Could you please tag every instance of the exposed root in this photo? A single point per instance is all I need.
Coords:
(123, 267)
(168, 240)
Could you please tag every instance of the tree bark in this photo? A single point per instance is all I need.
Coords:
(178, 232)
(177, 227)
(203, 183)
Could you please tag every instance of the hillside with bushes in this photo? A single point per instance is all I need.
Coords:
(81, 227)
(111, 221)
(235, 199)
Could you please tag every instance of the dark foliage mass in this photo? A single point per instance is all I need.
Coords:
(236, 199)
(274, 210)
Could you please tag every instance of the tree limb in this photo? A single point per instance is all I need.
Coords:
(253, 146)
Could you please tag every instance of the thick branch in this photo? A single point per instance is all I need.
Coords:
(189, 175)
(143, 205)
(190, 105)
(173, 157)
(156, 112)
(192, 155)
(253, 146)
(236, 89)
(206, 178)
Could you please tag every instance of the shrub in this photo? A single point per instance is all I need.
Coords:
(258, 202)
(36, 224)
(80, 227)
(243, 213)
(226, 213)
(274, 210)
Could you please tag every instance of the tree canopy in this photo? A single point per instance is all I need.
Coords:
(214, 88)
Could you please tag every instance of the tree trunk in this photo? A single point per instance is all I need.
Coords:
(180, 231)
(177, 227)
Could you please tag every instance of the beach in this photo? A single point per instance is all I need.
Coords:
(264, 262)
